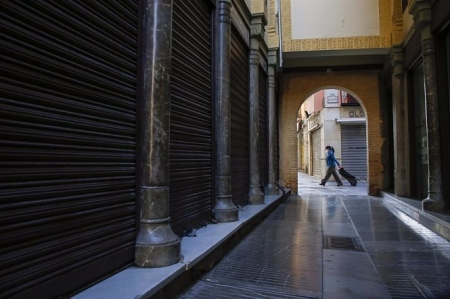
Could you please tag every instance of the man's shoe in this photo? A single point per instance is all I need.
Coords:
(339, 185)
(322, 184)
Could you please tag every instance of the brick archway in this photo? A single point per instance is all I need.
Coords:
(296, 88)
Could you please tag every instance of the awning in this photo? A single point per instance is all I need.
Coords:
(351, 120)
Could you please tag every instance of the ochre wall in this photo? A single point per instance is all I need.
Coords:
(296, 88)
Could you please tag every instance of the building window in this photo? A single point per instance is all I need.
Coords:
(348, 100)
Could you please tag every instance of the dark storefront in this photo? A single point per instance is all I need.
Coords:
(240, 138)
(441, 28)
(191, 123)
(92, 167)
(263, 130)
(68, 131)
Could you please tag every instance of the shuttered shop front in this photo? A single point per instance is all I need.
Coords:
(68, 131)
(277, 136)
(263, 133)
(191, 116)
(240, 149)
(354, 150)
(316, 148)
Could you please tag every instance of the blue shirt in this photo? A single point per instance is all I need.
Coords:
(331, 160)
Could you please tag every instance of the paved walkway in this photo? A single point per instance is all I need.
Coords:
(335, 242)
(310, 185)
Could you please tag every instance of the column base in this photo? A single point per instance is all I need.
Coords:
(255, 195)
(157, 246)
(225, 210)
(227, 215)
(433, 205)
(272, 189)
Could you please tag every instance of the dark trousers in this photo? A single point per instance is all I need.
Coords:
(332, 171)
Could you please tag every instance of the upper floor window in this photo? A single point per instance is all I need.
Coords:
(348, 100)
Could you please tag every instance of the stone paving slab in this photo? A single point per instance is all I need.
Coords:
(308, 185)
(286, 256)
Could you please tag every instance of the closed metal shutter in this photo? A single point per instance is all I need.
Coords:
(68, 133)
(277, 135)
(316, 149)
(191, 116)
(354, 150)
(263, 126)
(240, 150)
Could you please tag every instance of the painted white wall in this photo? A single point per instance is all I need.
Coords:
(331, 18)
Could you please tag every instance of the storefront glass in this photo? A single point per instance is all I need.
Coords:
(421, 139)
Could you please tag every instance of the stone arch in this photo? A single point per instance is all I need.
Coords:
(297, 87)
(333, 87)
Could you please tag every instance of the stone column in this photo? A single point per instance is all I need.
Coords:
(421, 11)
(399, 117)
(156, 244)
(272, 189)
(224, 210)
(256, 196)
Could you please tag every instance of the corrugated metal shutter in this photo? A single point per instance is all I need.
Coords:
(68, 133)
(316, 149)
(277, 135)
(240, 150)
(191, 116)
(263, 126)
(354, 150)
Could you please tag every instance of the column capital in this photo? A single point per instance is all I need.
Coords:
(421, 12)
(272, 58)
(396, 57)
(224, 11)
(257, 24)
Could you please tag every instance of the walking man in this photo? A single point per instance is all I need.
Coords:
(331, 167)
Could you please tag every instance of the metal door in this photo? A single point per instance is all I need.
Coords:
(240, 149)
(191, 123)
(316, 151)
(68, 134)
(354, 150)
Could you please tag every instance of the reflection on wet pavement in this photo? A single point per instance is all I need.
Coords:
(412, 261)
(284, 257)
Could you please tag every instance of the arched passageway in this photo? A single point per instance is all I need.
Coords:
(337, 118)
(297, 87)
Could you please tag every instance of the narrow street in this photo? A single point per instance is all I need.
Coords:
(332, 242)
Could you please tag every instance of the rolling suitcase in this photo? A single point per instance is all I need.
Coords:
(350, 178)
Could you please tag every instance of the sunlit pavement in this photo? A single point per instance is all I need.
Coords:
(310, 185)
(332, 242)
